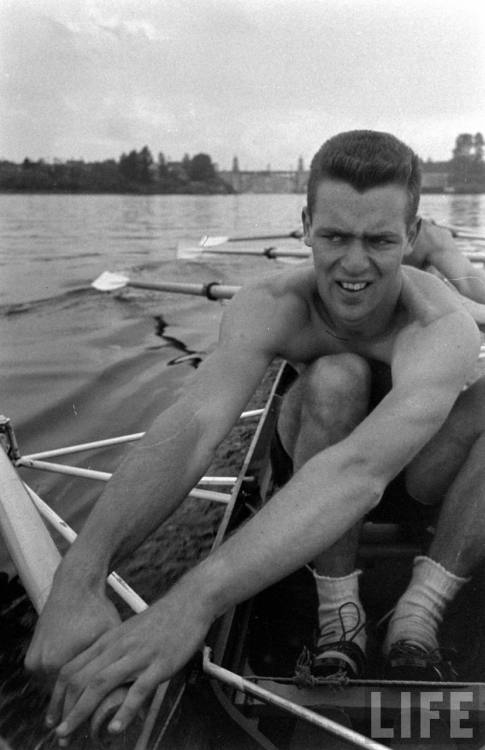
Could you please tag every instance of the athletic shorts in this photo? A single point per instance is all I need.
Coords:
(396, 505)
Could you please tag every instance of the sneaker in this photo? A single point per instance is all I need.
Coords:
(409, 661)
(342, 658)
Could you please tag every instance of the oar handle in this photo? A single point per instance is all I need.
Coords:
(213, 290)
(462, 233)
(282, 252)
(296, 234)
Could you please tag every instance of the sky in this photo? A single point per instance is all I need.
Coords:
(266, 80)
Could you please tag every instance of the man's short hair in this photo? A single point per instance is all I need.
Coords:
(367, 159)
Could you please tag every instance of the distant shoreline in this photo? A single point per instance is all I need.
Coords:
(56, 191)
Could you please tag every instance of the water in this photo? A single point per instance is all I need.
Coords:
(78, 365)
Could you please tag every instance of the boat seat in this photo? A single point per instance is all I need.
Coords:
(379, 540)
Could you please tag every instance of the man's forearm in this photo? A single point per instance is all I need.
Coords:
(325, 498)
(162, 468)
(149, 484)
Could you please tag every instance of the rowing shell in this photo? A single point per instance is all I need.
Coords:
(262, 693)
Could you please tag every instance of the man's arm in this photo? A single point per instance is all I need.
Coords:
(434, 246)
(151, 482)
(328, 495)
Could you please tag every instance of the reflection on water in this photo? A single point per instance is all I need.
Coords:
(467, 210)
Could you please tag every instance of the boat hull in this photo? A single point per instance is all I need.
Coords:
(263, 639)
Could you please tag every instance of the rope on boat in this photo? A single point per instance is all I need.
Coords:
(303, 677)
(328, 725)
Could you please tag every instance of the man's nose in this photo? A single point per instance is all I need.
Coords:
(355, 259)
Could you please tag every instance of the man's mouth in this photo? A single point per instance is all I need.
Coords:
(353, 286)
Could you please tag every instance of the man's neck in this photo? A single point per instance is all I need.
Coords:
(377, 325)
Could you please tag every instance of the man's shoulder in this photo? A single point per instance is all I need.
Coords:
(292, 287)
(437, 316)
(421, 277)
(428, 297)
(272, 309)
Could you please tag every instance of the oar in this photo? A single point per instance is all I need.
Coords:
(211, 241)
(191, 252)
(474, 257)
(461, 234)
(110, 282)
(207, 241)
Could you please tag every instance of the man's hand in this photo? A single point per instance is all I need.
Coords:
(72, 619)
(145, 650)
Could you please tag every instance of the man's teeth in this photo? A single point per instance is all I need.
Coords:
(353, 287)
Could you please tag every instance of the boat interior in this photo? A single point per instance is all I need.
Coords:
(268, 641)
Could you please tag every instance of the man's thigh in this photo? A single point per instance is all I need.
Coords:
(340, 392)
(433, 470)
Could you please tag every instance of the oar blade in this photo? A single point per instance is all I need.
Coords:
(213, 241)
(188, 251)
(110, 282)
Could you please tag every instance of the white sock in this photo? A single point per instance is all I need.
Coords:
(420, 609)
(340, 612)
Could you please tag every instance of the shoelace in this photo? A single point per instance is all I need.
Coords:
(354, 630)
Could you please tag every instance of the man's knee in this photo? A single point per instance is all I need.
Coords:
(339, 382)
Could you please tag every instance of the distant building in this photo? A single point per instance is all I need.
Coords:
(435, 178)
(267, 180)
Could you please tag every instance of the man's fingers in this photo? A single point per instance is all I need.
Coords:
(83, 694)
(72, 680)
(138, 693)
(68, 683)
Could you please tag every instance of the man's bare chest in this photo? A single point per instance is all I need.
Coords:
(315, 342)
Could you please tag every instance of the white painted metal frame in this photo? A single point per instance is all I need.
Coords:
(37, 461)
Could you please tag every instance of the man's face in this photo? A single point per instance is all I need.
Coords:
(358, 242)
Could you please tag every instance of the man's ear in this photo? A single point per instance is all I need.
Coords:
(413, 232)
(305, 217)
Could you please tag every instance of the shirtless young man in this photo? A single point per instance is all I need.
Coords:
(356, 303)
(435, 250)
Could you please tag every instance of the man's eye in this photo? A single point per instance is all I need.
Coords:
(381, 241)
(333, 238)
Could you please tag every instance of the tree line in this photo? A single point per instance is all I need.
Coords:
(135, 172)
(139, 172)
(467, 168)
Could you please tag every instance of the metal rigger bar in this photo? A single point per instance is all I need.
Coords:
(37, 461)
(245, 686)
